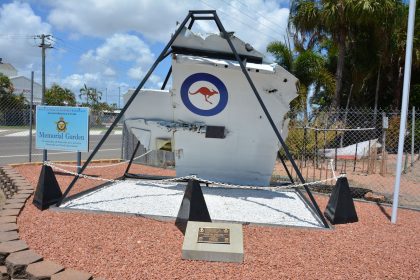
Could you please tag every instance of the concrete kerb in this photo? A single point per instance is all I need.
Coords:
(16, 259)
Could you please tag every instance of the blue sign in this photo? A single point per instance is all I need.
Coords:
(205, 89)
(62, 128)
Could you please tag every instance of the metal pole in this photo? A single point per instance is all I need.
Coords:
(119, 97)
(413, 129)
(355, 159)
(43, 47)
(304, 143)
(122, 143)
(383, 165)
(30, 116)
(335, 153)
(132, 157)
(79, 161)
(404, 107)
(316, 147)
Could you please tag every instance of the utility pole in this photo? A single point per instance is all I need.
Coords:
(43, 47)
(119, 97)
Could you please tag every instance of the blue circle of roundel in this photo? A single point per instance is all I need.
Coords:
(221, 88)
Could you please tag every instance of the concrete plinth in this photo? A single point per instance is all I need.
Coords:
(228, 247)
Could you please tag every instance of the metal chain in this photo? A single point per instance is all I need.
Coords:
(194, 177)
(101, 166)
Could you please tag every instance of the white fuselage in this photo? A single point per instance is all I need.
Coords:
(212, 92)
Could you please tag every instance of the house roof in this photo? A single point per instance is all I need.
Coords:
(22, 77)
(7, 66)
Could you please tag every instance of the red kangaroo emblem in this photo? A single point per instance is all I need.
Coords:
(206, 92)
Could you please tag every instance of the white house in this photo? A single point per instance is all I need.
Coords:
(7, 69)
(21, 84)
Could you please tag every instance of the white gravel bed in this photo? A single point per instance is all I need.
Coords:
(236, 205)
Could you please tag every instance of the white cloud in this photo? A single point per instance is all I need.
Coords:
(111, 89)
(135, 73)
(119, 56)
(116, 49)
(145, 16)
(76, 81)
(255, 21)
(109, 71)
(18, 25)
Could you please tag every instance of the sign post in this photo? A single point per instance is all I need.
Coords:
(58, 128)
(62, 128)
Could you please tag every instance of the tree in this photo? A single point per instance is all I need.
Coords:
(92, 95)
(59, 96)
(335, 19)
(93, 98)
(309, 68)
(9, 101)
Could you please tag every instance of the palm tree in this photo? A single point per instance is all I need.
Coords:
(92, 95)
(334, 18)
(309, 68)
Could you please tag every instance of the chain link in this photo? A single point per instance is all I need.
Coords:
(101, 166)
(194, 177)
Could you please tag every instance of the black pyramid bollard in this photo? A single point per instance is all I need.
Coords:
(48, 191)
(340, 208)
(193, 206)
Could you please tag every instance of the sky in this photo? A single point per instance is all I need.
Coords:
(110, 44)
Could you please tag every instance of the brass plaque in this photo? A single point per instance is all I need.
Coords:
(214, 235)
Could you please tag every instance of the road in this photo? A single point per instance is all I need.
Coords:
(15, 149)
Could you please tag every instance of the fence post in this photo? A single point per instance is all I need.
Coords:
(30, 116)
(355, 158)
(316, 147)
(304, 143)
(413, 129)
(335, 155)
(384, 128)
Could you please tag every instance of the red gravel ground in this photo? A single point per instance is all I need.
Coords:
(122, 247)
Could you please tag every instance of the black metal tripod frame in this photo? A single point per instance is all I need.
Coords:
(195, 15)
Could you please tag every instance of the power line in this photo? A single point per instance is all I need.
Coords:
(255, 19)
(250, 26)
(258, 13)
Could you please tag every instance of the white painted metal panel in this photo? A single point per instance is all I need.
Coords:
(212, 92)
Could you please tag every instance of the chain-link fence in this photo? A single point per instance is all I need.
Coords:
(361, 143)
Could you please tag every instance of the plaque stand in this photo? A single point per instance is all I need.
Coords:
(217, 242)
(193, 206)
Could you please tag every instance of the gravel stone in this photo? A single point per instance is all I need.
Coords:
(120, 247)
(260, 206)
